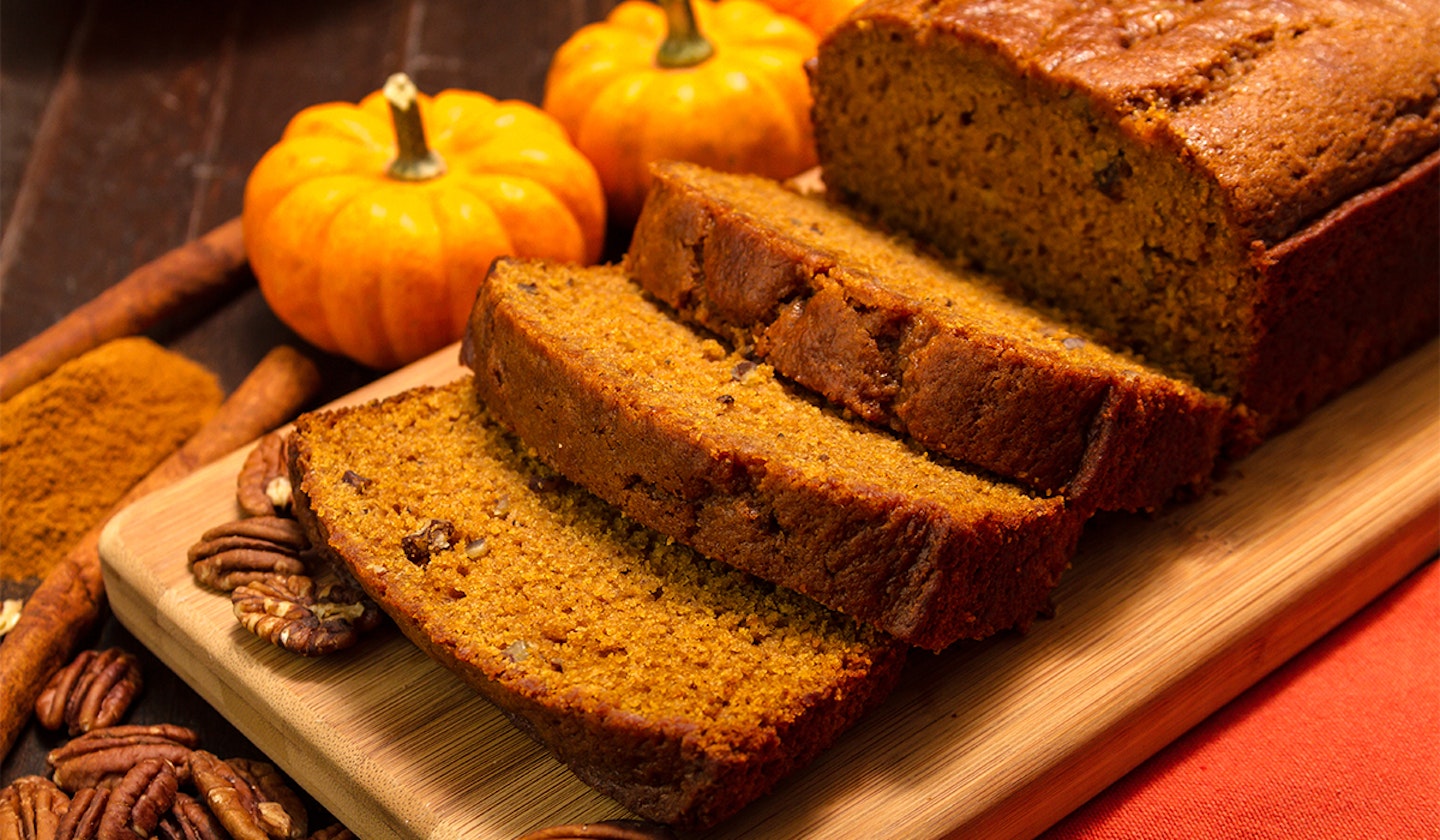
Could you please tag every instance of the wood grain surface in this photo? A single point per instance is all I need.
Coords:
(1159, 622)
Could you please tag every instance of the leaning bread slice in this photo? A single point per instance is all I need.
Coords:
(710, 448)
(678, 686)
(907, 341)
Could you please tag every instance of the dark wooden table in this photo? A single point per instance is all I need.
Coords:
(127, 129)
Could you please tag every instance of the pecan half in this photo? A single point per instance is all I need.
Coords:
(333, 832)
(140, 799)
(82, 821)
(248, 550)
(108, 753)
(607, 830)
(263, 486)
(270, 786)
(94, 690)
(287, 612)
(189, 819)
(31, 807)
(244, 810)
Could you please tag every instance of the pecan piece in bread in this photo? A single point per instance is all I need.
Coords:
(437, 536)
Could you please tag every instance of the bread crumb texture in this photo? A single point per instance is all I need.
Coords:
(549, 590)
(1129, 163)
(731, 404)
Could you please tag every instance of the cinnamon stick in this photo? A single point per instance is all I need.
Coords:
(184, 276)
(69, 600)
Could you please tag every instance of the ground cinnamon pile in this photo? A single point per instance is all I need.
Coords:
(72, 444)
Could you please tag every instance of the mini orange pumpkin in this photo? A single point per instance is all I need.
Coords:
(716, 83)
(369, 242)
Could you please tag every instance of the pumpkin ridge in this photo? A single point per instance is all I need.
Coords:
(563, 224)
(558, 167)
(799, 133)
(450, 110)
(716, 143)
(343, 122)
(324, 268)
(472, 132)
(278, 287)
(464, 283)
(388, 261)
(297, 161)
(610, 134)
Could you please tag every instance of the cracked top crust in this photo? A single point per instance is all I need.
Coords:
(1290, 106)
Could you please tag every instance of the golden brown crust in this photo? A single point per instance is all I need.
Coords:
(1350, 293)
(1290, 105)
(747, 258)
(613, 393)
(1244, 192)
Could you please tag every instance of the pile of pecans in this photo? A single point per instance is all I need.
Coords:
(114, 780)
(277, 585)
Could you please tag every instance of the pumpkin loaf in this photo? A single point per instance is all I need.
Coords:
(710, 448)
(905, 340)
(676, 685)
(1246, 191)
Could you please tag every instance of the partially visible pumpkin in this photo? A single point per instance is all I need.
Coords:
(716, 83)
(820, 15)
(373, 246)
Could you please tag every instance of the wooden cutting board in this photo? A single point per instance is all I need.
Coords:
(1159, 622)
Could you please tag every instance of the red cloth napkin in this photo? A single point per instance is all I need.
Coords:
(1343, 741)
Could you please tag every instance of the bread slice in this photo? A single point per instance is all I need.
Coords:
(676, 685)
(707, 446)
(1245, 191)
(908, 341)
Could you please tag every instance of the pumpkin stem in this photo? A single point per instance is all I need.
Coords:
(683, 46)
(416, 161)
